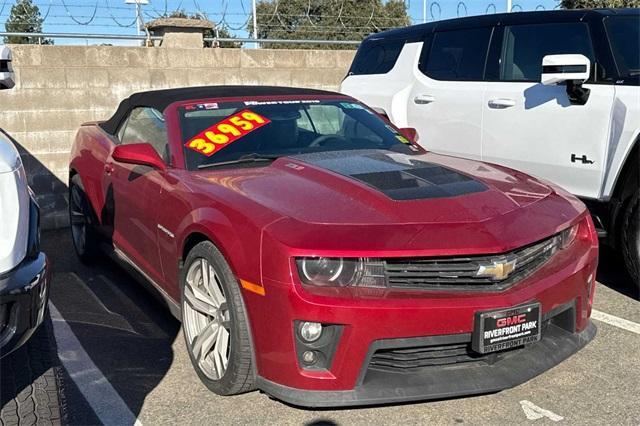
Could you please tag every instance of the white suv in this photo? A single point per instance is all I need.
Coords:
(554, 94)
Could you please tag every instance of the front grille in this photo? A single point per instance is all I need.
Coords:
(420, 358)
(449, 273)
(416, 359)
(411, 360)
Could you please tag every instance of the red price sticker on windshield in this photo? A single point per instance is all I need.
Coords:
(227, 131)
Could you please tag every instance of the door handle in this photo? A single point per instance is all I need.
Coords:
(108, 168)
(424, 99)
(501, 103)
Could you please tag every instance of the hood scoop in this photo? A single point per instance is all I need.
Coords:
(398, 176)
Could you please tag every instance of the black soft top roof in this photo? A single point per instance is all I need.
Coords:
(161, 99)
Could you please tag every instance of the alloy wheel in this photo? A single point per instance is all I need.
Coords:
(206, 319)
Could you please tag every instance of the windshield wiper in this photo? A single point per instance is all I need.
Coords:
(249, 158)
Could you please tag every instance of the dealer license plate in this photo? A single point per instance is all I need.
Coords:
(506, 328)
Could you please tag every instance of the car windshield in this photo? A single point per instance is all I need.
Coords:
(624, 33)
(217, 133)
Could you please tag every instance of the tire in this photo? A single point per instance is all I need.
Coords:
(29, 383)
(82, 219)
(227, 323)
(630, 238)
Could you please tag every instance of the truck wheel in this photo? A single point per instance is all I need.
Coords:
(630, 238)
(84, 237)
(29, 382)
(214, 323)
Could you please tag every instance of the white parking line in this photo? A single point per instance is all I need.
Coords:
(94, 386)
(616, 321)
(533, 412)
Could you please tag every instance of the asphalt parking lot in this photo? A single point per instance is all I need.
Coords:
(125, 362)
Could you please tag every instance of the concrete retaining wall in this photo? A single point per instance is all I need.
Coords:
(60, 87)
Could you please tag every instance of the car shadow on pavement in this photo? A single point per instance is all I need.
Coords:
(612, 273)
(321, 422)
(122, 328)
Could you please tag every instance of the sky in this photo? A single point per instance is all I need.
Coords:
(116, 17)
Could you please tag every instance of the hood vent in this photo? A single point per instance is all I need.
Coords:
(398, 176)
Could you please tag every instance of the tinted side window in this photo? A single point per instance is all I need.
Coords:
(458, 55)
(376, 57)
(146, 125)
(624, 33)
(524, 46)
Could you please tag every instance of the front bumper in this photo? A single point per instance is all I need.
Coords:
(486, 374)
(375, 319)
(24, 292)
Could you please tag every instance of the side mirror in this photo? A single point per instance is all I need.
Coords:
(410, 133)
(561, 68)
(7, 76)
(572, 70)
(138, 153)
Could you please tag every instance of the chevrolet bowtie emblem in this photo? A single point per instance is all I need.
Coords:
(498, 269)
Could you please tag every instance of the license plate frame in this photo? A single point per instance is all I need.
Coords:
(517, 323)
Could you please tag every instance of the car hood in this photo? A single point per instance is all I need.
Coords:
(386, 191)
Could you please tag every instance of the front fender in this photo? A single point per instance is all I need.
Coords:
(237, 239)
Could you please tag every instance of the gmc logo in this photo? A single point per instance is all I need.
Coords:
(517, 319)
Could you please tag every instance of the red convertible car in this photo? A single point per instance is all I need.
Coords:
(314, 252)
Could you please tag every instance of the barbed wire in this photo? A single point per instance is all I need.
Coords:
(435, 4)
(106, 13)
(87, 22)
(464, 6)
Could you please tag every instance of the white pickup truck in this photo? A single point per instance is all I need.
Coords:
(555, 94)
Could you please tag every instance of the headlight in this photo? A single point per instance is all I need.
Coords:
(327, 270)
(568, 236)
(341, 272)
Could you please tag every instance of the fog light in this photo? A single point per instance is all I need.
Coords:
(310, 331)
(309, 357)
